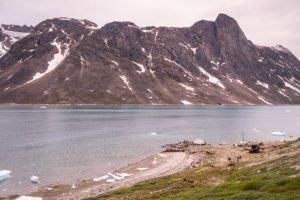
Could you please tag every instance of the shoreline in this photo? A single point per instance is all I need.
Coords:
(68, 104)
(167, 163)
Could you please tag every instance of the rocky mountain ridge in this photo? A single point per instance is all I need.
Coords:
(73, 61)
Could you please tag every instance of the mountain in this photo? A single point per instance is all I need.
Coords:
(73, 61)
(9, 34)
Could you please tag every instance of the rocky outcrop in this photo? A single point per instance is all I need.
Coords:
(73, 61)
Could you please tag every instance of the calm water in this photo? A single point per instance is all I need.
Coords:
(66, 144)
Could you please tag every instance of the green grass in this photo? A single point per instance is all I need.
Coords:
(269, 180)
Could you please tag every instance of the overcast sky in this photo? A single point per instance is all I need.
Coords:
(265, 22)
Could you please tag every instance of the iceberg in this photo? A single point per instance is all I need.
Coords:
(278, 134)
(153, 133)
(116, 177)
(124, 175)
(154, 162)
(4, 174)
(34, 179)
(110, 180)
(29, 198)
(142, 169)
(162, 155)
(100, 178)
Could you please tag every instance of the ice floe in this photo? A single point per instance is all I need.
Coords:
(34, 179)
(116, 177)
(142, 168)
(4, 174)
(29, 198)
(154, 162)
(211, 78)
(256, 130)
(162, 155)
(278, 134)
(185, 102)
(124, 175)
(100, 178)
(153, 133)
(110, 180)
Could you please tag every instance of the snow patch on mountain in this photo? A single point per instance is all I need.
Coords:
(211, 78)
(186, 87)
(265, 85)
(185, 102)
(286, 84)
(54, 63)
(142, 68)
(124, 78)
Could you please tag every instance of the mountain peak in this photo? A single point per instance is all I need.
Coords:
(224, 19)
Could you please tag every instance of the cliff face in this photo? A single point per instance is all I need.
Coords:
(73, 61)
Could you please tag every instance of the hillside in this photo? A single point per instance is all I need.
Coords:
(273, 174)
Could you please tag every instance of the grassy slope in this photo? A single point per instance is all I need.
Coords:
(276, 179)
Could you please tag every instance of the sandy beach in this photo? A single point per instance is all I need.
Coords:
(157, 165)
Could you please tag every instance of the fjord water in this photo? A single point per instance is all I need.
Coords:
(65, 144)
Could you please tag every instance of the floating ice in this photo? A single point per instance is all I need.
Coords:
(256, 130)
(100, 178)
(29, 198)
(34, 179)
(142, 168)
(110, 180)
(124, 175)
(115, 177)
(154, 162)
(278, 134)
(153, 133)
(4, 174)
(162, 155)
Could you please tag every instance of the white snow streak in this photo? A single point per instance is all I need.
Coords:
(186, 87)
(286, 84)
(106, 43)
(115, 62)
(140, 66)
(211, 78)
(124, 78)
(283, 94)
(57, 59)
(265, 85)
(185, 102)
(171, 61)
